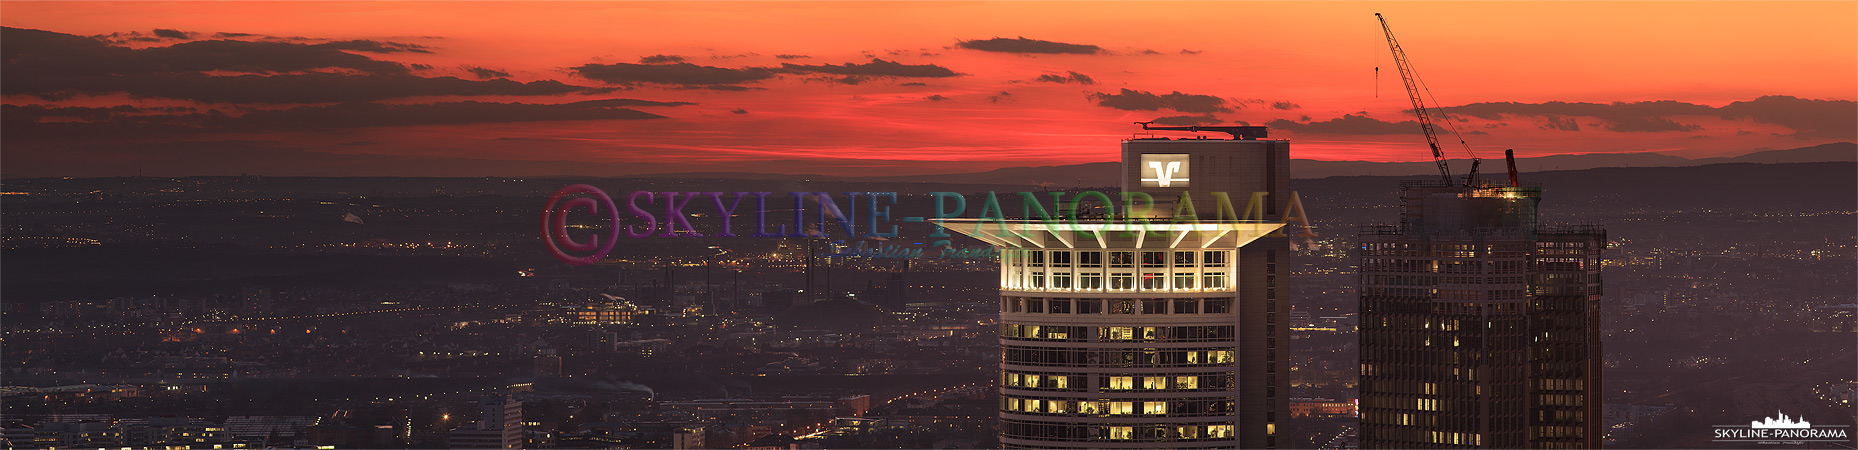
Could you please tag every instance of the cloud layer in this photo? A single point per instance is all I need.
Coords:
(1023, 45)
(1133, 100)
(1808, 117)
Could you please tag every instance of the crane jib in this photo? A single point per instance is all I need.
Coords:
(1408, 78)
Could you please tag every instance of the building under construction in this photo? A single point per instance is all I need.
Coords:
(1479, 327)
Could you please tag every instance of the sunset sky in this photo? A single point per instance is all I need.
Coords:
(528, 88)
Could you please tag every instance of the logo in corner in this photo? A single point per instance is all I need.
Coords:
(1782, 429)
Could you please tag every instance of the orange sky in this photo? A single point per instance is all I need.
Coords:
(1319, 56)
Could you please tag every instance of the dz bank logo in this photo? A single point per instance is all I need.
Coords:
(1164, 170)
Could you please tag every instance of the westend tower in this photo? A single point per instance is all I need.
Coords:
(1120, 332)
(1479, 328)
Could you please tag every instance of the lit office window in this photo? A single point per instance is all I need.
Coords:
(1122, 281)
(1121, 383)
(1154, 259)
(1122, 259)
(1187, 382)
(1154, 281)
(1154, 382)
(1214, 280)
(1183, 281)
(1215, 259)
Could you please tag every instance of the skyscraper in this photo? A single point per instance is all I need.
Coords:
(1121, 332)
(1479, 327)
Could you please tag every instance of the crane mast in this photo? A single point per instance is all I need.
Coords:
(1419, 103)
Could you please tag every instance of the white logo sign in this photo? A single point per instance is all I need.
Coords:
(1166, 170)
(1782, 422)
(1782, 429)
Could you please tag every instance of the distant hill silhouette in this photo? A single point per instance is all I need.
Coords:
(1107, 173)
(1838, 151)
(1728, 187)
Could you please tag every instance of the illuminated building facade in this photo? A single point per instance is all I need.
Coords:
(1123, 334)
(1479, 328)
(1321, 407)
(499, 425)
(615, 313)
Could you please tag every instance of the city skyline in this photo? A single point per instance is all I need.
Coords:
(890, 88)
(856, 225)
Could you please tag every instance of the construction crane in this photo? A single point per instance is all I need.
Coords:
(1419, 108)
(1238, 133)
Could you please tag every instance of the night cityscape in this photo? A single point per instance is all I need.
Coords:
(223, 229)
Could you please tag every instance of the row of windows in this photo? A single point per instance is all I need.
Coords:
(1067, 407)
(1434, 280)
(1148, 357)
(1437, 247)
(1146, 281)
(1040, 305)
(1090, 258)
(1454, 295)
(1418, 265)
(1562, 399)
(1043, 381)
(1117, 383)
(1435, 438)
(1564, 416)
(1393, 389)
(1119, 334)
(1562, 384)
(1559, 432)
(1463, 295)
(1132, 432)
(1150, 383)
(1430, 369)
(1455, 438)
